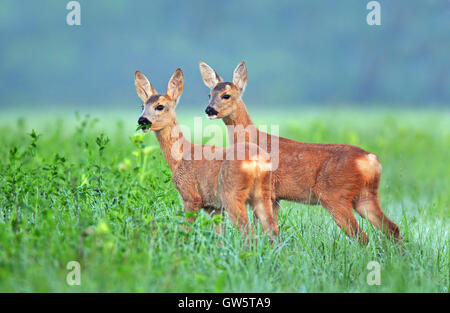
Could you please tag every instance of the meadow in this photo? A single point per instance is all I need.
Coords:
(91, 189)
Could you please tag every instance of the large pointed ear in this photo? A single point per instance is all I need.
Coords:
(240, 76)
(143, 87)
(210, 77)
(176, 85)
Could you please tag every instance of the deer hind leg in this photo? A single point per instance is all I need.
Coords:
(263, 210)
(368, 206)
(234, 204)
(342, 213)
(262, 206)
(261, 203)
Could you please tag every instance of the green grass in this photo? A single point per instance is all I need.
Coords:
(81, 189)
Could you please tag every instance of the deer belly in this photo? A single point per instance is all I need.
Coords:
(295, 186)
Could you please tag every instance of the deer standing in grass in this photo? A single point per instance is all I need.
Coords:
(340, 177)
(204, 182)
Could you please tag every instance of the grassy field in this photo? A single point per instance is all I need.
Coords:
(91, 190)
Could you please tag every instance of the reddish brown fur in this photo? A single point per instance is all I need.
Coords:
(340, 177)
(209, 184)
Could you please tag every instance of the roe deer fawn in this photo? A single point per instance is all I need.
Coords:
(211, 184)
(337, 176)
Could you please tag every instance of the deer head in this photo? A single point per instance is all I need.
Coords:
(224, 97)
(158, 110)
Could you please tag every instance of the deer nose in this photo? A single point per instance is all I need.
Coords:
(144, 121)
(210, 111)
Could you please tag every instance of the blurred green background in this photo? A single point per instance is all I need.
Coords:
(299, 53)
(81, 186)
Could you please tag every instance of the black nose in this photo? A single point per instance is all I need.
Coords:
(210, 111)
(144, 121)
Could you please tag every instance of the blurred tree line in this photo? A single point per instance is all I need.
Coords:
(297, 52)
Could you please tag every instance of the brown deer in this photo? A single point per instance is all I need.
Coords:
(206, 182)
(337, 176)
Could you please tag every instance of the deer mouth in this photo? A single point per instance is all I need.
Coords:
(145, 127)
(211, 112)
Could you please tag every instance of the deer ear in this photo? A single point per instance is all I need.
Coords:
(143, 87)
(240, 76)
(210, 77)
(176, 85)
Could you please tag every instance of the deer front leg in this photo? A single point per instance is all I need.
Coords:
(213, 212)
(191, 206)
(276, 210)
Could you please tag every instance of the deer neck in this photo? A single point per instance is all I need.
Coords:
(239, 121)
(168, 137)
(239, 116)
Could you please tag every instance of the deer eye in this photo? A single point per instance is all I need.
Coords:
(226, 97)
(159, 107)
